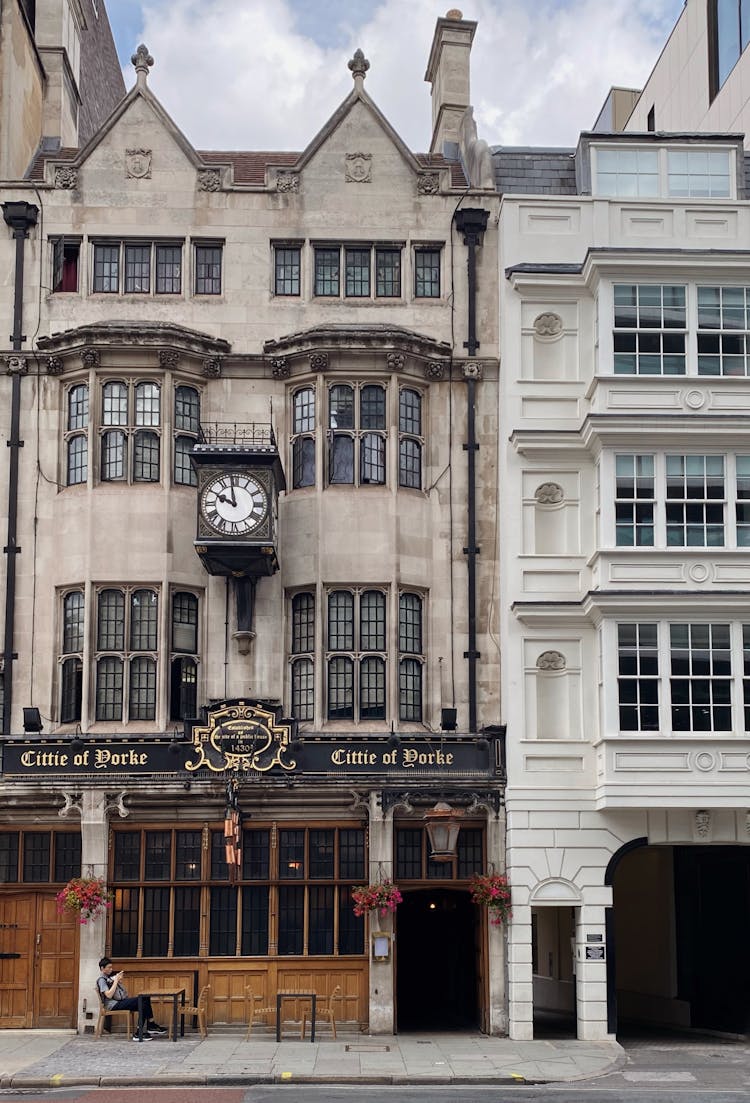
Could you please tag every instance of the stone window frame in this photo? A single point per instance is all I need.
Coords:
(317, 650)
(174, 659)
(83, 420)
(117, 282)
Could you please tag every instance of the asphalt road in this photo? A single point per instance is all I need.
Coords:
(289, 1093)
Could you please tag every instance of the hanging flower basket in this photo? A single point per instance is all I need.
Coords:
(382, 897)
(88, 897)
(492, 890)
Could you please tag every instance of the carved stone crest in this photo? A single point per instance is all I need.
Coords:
(395, 361)
(472, 371)
(212, 367)
(549, 494)
(66, 178)
(318, 361)
(169, 358)
(359, 168)
(138, 164)
(702, 823)
(428, 183)
(548, 325)
(287, 181)
(434, 370)
(280, 368)
(91, 358)
(209, 180)
(54, 365)
(551, 660)
(16, 365)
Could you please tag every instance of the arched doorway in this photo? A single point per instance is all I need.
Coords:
(678, 953)
(437, 961)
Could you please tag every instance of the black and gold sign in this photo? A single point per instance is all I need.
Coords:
(242, 736)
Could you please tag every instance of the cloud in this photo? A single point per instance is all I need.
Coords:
(259, 74)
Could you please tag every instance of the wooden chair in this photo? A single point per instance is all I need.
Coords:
(105, 1013)
(199, 1010)
(255, 1011)
(326, 1011)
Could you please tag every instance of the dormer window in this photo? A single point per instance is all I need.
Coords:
(633, 172)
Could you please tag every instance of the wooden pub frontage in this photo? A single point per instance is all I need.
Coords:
(231, 851)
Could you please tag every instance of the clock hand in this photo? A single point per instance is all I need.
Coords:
(231, 491)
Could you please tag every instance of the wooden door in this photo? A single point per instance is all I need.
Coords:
(39, 975)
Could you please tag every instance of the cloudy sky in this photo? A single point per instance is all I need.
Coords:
(266, 74)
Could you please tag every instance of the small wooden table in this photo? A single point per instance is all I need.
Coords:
(295, 994)
(174, 994)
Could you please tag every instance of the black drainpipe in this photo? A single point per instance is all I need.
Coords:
(20, 217)
(471, 223)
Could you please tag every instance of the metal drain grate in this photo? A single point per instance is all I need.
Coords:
(367, 1049)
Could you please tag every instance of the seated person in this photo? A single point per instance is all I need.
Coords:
(116, 998)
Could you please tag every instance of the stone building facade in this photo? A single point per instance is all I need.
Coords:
(251, 404)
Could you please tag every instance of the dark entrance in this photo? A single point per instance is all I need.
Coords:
(437, 961)
(712, 891)
(677, 938)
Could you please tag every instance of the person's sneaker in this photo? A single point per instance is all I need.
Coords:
(146, 1036)
(154, 1028)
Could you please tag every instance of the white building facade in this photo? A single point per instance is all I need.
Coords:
(625, 584)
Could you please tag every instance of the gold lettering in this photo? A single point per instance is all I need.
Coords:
(44, 758)
(103, 758)
(353, 758)
(412, 757)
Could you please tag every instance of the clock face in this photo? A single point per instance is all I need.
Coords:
(233, 504)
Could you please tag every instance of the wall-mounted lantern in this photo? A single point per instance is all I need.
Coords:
(442, 825)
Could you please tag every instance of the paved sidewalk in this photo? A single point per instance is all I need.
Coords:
(36, 1059)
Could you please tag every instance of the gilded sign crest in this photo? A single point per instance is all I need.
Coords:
(242, 736)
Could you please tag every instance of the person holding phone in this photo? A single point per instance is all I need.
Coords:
(116, 998)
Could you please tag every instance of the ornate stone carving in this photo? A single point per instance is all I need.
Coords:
(287, 181)
(66, 178)
(358, 65)
(395, 361)
(428, 183)
(91, 358)
(72, 805)
(212, 367)
(548, 325)
(318, 361)
(549, 494)
(138, 164)
(116, 803)
(16, 365)
(747, 823)
(434, 370)
(551, 660)
(280, 368)
(359, 168)
(702, 823)
(169, 358)
(472, 371)
(54, 365)
(209, 180)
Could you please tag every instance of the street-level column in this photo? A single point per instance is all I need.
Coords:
(591, 968)
(520, 975)
(498, 996)
(93, 806)
(382, 987)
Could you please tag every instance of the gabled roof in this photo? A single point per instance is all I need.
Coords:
(249, 167)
